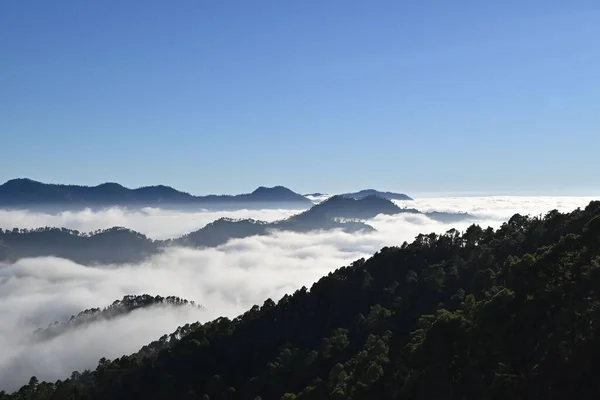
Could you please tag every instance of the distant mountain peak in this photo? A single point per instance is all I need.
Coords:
(370, 192)
(340, 206)
(276, 194)
(273, 189)
(17, 180)
(111, 186)
(21, 182)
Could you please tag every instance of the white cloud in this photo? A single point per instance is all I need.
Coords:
(226, 280)
(498, 207)
(317, 199)
(153, 222)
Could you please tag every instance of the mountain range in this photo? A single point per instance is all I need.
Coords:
(27, 193)
(31, 194)
(510, 313)
(119, 245)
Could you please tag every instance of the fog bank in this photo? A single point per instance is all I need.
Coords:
(226, 280)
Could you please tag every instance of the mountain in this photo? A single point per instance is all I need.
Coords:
(116, 245)
(117, 309)
(221, 231)
(119, 245)
(510, 313)
(19, 193)
(276, 193)
(448, 217)
(372, 192)
(367, 207)
(224, 229)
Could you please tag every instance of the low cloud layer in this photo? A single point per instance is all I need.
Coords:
(153, 222)
(498, 207)
(226, 280)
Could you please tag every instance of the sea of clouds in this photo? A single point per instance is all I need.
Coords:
(226, 280)
(155, 223)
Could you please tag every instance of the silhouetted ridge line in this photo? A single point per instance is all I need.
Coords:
(24, 192)
(370, 192)
(117, 309)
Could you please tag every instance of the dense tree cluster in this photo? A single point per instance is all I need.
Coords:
(118, 308)
(506, 314)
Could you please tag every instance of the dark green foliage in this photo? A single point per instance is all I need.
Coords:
(510, 314)
(117, 308)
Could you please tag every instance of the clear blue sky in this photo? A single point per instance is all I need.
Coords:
(223, 96)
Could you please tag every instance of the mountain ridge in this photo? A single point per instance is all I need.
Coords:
(21, 192)
(117, 308)
(370, 192)
(118, 245)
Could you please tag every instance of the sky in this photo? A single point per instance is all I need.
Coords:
(331, 96)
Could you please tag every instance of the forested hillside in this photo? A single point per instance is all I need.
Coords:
(484, 314)
(118, 308)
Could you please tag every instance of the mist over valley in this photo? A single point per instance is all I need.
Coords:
(226, 279)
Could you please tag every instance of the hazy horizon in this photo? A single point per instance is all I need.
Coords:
(573, 192)
(336, 96)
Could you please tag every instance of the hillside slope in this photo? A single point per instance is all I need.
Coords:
(118, 308)
(506, 314)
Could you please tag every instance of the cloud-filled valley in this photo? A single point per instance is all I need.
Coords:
(226, 280)
(153, 222)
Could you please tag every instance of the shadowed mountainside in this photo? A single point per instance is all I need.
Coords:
(485, 314)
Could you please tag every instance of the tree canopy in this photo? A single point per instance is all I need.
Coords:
(511, 313)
